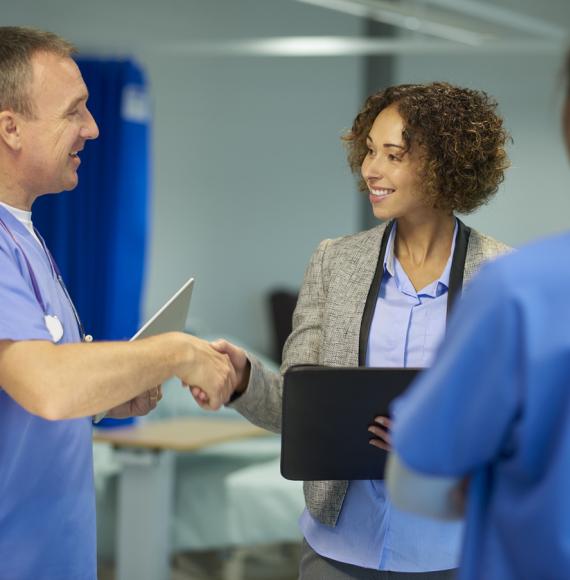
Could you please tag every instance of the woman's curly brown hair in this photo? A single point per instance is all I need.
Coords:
(458, 132)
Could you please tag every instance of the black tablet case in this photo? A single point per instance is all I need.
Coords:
(326, 414)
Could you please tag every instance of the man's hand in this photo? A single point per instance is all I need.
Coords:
(138, 406)
(381, 431)
(241, 366)
(239, 361)
(210, 373)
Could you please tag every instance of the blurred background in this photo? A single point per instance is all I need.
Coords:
(235, 110)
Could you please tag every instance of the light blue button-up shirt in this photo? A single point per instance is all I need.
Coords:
(406, 330)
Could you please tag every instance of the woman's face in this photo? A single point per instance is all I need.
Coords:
(392, 174)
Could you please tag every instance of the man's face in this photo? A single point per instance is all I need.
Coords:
(61, 125)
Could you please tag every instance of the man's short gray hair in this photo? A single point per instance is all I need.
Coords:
(17, 46)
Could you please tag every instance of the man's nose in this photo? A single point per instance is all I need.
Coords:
(91, 130)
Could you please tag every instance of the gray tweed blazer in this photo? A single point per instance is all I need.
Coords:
(326, 330)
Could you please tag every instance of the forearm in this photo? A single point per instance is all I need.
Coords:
(75, 380)
(260, 402)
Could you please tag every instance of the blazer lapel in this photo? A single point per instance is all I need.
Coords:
(372, 297)
(347, 298)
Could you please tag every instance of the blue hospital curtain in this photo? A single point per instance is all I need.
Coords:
(98, 232)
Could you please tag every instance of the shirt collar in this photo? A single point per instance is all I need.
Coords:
(439, 285)
(444, 278)
(20, 214)
(24, 217)
(389, 254)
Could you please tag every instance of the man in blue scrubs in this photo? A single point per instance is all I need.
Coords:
(495, 408)
(51, 383)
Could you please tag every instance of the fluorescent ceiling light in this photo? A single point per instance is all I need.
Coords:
(464, 21)
(503, 16)
(310, 46)
(404, 16)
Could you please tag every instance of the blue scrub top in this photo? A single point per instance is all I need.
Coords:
(496, 407)
(47, 499)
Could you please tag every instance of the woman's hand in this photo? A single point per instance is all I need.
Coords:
(381, 431)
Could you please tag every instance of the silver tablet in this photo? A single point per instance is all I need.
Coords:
(172, 316)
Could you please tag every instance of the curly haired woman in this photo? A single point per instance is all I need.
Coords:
(381, 298)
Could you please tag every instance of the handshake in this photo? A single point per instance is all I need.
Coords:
(219, 370)
(212, 372)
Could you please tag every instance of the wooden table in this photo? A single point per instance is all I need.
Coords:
(146, 453)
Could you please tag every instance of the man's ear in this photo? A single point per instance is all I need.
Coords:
(10, 130)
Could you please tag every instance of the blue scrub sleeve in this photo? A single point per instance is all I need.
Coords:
(458, 415)
(21, 317)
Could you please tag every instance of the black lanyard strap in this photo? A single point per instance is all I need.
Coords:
(370, 305)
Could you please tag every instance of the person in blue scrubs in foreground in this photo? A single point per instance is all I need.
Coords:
(492, 417)
(50, 384)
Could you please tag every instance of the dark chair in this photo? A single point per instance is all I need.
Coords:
(282, 303)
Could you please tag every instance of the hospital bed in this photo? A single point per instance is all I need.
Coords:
(227, 496)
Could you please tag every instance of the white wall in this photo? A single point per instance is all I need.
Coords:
(249, 171)
(535, 197)
(250, 175)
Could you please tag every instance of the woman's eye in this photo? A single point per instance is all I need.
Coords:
(392, 157)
